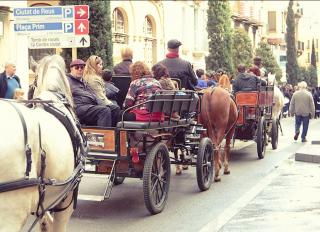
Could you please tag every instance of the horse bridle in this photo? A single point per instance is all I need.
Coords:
(71, 184)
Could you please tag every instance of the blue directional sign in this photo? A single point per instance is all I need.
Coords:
(48, 13)
(38, 27)
(37, 11)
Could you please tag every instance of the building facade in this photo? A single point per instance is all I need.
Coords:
(146, 26)
(273, 17)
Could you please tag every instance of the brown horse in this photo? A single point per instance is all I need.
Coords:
(218, 115)
(224, 82)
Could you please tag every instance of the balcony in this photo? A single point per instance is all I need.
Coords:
(120, 38)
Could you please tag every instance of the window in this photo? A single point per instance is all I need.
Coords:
(317, 57)
(308, 44)
(119, 27)
(272, 21)
(316, 43)
(283, 58)
(149, 41)
(308, 59)
(118, 21)
(147, 27)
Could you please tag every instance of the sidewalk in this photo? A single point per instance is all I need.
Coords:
(290, 202)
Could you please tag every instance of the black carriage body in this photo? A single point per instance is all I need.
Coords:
(136, 149)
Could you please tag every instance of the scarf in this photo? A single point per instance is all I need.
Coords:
(172, 55)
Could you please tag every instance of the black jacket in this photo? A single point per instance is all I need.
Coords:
(122, 68)
(181, 69)
(247, 82)
(83, 96)
(4, 83)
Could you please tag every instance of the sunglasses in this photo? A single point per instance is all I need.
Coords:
(77, 67)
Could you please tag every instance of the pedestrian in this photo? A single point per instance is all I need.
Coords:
(9, 81)
(179, 68)
(302, 106)
(123, 68)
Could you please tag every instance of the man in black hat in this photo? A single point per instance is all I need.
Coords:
(89, 108)
(179, 68)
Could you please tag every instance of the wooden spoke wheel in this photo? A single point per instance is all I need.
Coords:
(156, 178)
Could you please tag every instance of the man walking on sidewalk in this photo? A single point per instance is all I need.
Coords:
(302, 106)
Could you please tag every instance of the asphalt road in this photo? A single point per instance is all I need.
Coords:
(187, 208)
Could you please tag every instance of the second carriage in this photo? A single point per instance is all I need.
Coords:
(255, 121)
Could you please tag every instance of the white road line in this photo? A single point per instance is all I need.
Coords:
(217, 223)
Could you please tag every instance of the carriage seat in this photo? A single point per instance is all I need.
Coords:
(244, 98)
(167, 102)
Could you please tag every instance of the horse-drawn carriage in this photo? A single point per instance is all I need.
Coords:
(255, 121)
(141, 149)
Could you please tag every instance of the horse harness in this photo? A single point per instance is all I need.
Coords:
(71, 184)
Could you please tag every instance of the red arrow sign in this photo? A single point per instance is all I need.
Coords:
(81, 12)
(81, 26)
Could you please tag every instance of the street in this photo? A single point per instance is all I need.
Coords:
(187, 209)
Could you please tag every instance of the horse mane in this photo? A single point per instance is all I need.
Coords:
(224, 82)
(51, 77)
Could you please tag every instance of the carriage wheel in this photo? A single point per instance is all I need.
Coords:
(156, 178)
(118, 180)
(205, 164)
(274, 134)
(261, 138)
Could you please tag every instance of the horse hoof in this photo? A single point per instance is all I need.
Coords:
(178, 173)
(185, 167)
(217, 179)
(226, 172)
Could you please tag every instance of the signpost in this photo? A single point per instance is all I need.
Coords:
(57, 41)
(54, 26)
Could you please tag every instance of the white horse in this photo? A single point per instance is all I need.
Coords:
(278, 98)
(44, 131)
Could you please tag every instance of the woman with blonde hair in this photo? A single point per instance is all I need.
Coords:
(92, 76)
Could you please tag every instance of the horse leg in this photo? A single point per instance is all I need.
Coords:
(226, 156)
(217, 165)
(46, 223)
(61, 219)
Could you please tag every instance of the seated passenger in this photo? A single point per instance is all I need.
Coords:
(161, 73)
(89, 108)
(123, 67)
(111, 89)
(246, 81)
(92, 75)
(202, 83)
(142, 86)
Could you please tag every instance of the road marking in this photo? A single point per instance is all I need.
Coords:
(216, 224)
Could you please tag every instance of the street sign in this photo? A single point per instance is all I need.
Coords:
(50, 13)
(58, 41)
(81, 12)
(76, 27)
(81, 27)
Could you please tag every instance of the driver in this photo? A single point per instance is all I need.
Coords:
(246, 81)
